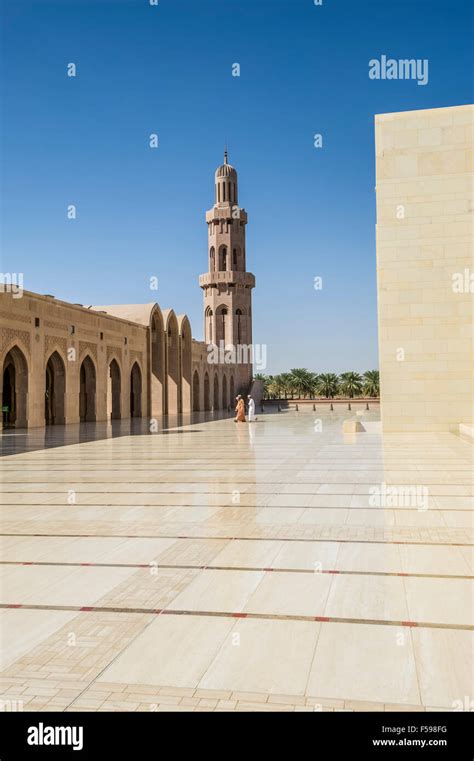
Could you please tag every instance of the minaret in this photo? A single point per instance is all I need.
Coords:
(227, 286)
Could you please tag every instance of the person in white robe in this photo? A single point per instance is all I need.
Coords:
(251, 413)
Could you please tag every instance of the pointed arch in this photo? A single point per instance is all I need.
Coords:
(240, 326)
(172, 362)
(196, 403)
(208, 331)
(236, 258)
(158, 362)
(185, 364)
(223, 258)
(225, 398)
(114, 391)
(222, 325)
(215, 398)
(135, 391)
(87, 390)
(15, 388)
(207, 392)
(55, 390)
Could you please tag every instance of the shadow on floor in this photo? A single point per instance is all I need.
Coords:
(16, 441)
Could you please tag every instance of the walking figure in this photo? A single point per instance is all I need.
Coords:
(251, 409)
(240, 410)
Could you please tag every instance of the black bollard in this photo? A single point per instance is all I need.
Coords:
(279, 408)
(332, 408)
(349, 406)
(262, 408)
(314, 408)
(296, 408)
(367, 406)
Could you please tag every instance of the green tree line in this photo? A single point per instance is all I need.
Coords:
(300, 383)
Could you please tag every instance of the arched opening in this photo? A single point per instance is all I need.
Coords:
(208, 326)
(239, 325)
(172, 364)
(212, 259)
(135, 391)
(223, 258)
(196, 405)
(15, 389)
(185, 364)
(225, 400)
(232, 390)
(55, 391)
(221, 326)
(114, 391)
(207, 393)
(216, 393)
(9, 395)
(157, 364)
(87, 391)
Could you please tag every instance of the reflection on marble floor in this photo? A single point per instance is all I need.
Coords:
(243, 567)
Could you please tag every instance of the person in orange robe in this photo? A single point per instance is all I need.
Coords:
(240, 410)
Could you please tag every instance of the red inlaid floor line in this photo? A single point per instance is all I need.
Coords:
(155, 565)
(240, 614)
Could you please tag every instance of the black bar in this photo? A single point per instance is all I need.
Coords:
(443, 735)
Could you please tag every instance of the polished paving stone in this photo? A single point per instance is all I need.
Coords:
(214, 566)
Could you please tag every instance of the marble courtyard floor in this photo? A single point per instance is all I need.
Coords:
(218, 566)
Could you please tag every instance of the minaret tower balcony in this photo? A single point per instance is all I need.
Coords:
(226, 213)
(228, 278)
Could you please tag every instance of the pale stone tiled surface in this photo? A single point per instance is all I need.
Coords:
(330, 586)
(364, 662)
(22, 630)
(271, 657)
(207, 591)
(291, 594)
(186, 646)
(444, 661)
(367, 597)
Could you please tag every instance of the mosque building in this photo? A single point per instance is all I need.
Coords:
(68, 363)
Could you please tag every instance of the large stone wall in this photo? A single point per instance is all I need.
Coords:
(67, 363)
(424, 268)
(214, 386)
(34, 328)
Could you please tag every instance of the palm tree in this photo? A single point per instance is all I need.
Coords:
(303, 381)
(275, 386)
(372, 383)
(327, 385)
(287, 384)
(351, 384)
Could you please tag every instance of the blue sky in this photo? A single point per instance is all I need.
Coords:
(168, 70)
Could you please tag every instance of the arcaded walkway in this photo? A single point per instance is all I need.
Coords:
(226, 566)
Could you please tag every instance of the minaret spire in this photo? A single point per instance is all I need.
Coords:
(227, 285)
